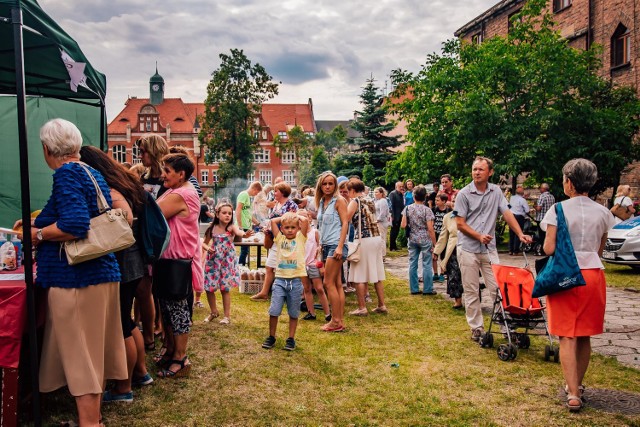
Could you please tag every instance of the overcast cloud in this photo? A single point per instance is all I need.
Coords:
(324, 50)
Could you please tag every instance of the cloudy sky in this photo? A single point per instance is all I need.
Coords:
(323, 49)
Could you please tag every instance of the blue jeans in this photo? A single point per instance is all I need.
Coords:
(427, 271)
(244, 252)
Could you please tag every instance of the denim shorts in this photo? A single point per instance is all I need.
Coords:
(329, 250)
(289, 291)
(313, 272)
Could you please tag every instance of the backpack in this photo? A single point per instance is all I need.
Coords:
(153, 230)
(620, 211)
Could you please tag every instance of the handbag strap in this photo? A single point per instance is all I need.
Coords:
(359, 220)
(103, 206)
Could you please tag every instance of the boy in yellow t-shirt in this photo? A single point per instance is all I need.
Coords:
(290, 239)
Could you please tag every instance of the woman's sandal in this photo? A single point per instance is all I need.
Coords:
(162, 358)
(574, 407)
(581, 389)
(182, 372)
(211, 316)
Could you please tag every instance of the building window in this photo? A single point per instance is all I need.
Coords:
(217, 158)
(288, 157)
(135, 151)
(250, 176)
(283, 135)
(148, 124)
(558, 5)
(214, 176)
(120, 153)
(621, 46)
(204, 177)
(265, 176)
(310, 134)
(477, 38)
(261, 155)
(289, 177)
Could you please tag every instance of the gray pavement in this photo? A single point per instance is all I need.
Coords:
(622, 317)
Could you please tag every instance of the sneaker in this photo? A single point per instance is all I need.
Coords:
(327, 318)
(290, 344)
(430, 293)
(476, 333)
(381, 310)
(367, 299)
(109, 397)
(359, 312)
(309, 316)
(225, 321)
(269, 342)
(198, 304)
(349, 290)
(141, 381)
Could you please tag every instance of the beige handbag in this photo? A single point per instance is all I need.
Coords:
(108, 232)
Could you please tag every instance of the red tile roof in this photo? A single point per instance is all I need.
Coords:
(277, 117)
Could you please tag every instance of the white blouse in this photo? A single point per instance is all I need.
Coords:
(588, 221)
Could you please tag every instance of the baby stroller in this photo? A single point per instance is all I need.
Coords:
(514, 310)
(532, 228)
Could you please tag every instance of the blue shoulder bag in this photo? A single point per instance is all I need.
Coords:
(561, 271)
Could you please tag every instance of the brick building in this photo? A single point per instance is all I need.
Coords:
(612, 24)
(177, 122)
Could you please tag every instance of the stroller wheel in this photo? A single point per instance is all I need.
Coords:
(524, 341)
(556, 354)
(547, 353)
(513, 351)
(504, 352)
(486, 340)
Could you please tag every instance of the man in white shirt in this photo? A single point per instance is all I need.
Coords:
(520, 209)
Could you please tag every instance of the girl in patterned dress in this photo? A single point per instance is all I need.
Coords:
(221, 266)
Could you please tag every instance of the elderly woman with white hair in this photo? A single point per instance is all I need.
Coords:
(578, 313)
(82, 345)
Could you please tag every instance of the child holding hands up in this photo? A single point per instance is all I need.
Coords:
(290, 238)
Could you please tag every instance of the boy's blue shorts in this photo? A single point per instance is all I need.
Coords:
(289, 291)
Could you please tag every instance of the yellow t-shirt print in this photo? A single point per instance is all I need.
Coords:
(291, 259)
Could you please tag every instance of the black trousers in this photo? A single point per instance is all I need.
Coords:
(393, 236)
(514, 241)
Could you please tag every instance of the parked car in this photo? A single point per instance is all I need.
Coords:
(623, 243)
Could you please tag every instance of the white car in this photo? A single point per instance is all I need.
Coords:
(623, 243)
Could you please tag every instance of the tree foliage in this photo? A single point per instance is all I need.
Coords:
(374, 144)
(528, 100)
(301, 144)
(234, 101)
(334, 141)
(319, 163)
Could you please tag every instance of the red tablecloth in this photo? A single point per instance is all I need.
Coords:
(13, 315)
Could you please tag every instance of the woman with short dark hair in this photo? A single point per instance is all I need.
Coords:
(578, 313)
(180, 205)
(419, 218)
(370, 267)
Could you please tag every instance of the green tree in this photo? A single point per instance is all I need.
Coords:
(373, 146)
(528, 100)
(298, 142)
(234, 101)
(334, 141)
(319, 163)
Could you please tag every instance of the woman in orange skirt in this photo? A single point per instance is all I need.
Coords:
(578, 313)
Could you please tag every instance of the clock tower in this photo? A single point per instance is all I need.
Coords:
(156, 88)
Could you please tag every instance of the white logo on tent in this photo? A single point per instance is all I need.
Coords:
(75, 70)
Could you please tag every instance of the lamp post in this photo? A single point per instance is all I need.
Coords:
(215, 189)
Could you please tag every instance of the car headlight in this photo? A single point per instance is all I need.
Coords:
(633, 233)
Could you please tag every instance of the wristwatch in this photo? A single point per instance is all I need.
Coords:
(39, 235)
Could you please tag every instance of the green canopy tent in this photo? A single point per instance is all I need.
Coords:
(43, 75)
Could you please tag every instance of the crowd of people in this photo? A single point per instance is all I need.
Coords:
(328, 240)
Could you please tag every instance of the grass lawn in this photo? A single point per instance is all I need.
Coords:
(414, 366)
(622, 276)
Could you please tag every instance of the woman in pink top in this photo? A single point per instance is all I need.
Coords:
(181, 207)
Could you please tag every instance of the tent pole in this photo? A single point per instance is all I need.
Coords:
(16, 17)
(103, 115)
